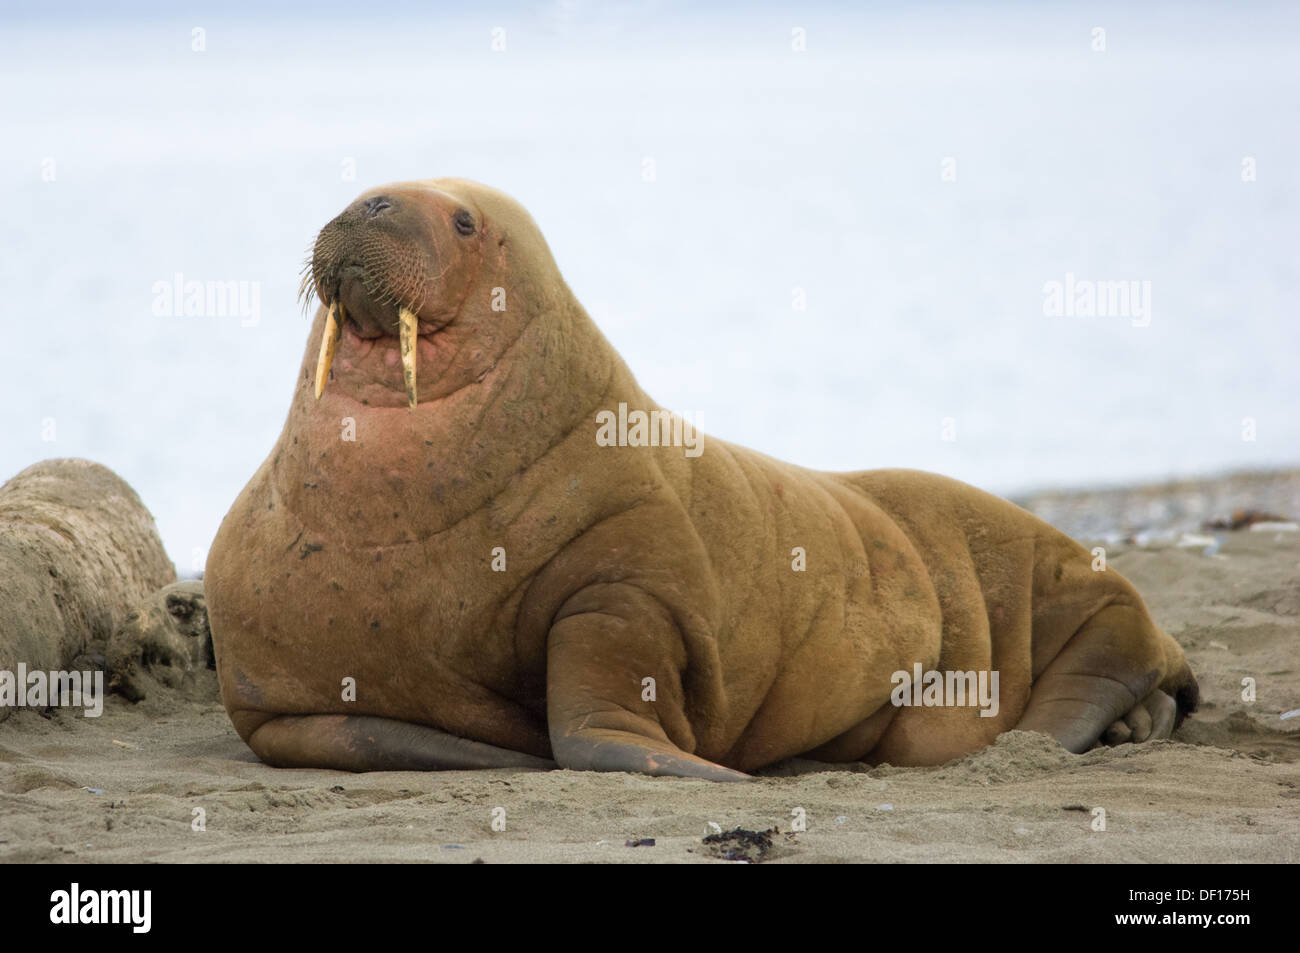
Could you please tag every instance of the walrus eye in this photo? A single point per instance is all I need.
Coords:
(464, 222)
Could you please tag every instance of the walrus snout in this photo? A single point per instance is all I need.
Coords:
(365, 315)
(384, 246)
(396, 263)
(370, 267)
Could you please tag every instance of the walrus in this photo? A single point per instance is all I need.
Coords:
(442, 564)
(163, 641)
(78, 552)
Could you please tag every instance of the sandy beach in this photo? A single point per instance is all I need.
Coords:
(126, 787)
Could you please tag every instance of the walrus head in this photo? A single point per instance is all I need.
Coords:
(397, 268)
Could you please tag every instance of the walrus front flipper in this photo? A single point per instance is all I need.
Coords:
(1109, 674)
(370, 743)
(598, 713)
(608, 749)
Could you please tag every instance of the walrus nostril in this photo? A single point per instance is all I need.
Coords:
(376, 205)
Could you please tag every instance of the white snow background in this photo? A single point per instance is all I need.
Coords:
(775, 170)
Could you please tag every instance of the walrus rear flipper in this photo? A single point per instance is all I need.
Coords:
(1159, 714)
(1106, 684)
(370, 743)
(1180, 683)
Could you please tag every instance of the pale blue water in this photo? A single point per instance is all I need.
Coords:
(775, 170)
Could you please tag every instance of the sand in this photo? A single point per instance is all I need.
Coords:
(125, 787)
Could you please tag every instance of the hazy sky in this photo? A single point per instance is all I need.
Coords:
(831, 236)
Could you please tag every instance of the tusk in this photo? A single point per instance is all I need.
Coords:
(410, 328)
(329, 342)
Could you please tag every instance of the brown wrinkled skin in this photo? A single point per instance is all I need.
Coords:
(371, 559)
(77, 551)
